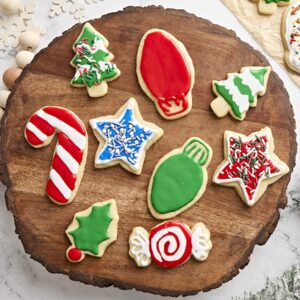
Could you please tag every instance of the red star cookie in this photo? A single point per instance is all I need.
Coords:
(250, 164)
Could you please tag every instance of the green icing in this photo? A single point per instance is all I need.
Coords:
(259, 74)
(93, 229)
(276, 1)
(228, 98)
(91, 59)
(179, 178)
(244, 89)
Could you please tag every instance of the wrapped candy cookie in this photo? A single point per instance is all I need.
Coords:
(169, 244)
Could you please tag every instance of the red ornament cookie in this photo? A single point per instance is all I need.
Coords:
(166, 73)
(169, 244)
(250, 164)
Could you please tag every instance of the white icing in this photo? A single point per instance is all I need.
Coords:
(40, 135)
(201, 243)
(252, 82)
(294, 48)
(68, 159)
(78, 139)
(139, 247)
(162, 238)
(240, 99)
(60, 184)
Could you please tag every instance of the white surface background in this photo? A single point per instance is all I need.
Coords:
(23, 278)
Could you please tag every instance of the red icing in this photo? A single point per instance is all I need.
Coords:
(64, 141)
(43, 125)
(32, 138)
(66, 116)
(165, 72)
(166, 249)
(249, 162)
(74, 254)
(59, 166)
(70, 147)
(54, 193)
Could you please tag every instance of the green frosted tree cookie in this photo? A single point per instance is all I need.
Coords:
(239, 92)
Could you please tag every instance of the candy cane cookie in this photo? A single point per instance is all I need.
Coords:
(169, 244)
(70, 152)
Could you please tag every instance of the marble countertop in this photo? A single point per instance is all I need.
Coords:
(23, 278)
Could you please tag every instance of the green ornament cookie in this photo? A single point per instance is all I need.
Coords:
(92, 230)
(179, 179)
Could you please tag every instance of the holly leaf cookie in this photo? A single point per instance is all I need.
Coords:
(179, 179)
(70, 153)
(269, 7)
(240, 91)
(93, 62)
(124, 138)
(169, 244)
(166, 73)
(250, 164)
(291, 36)
(92, 230)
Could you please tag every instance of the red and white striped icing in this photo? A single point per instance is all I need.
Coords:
(170, 244)
(70, 153)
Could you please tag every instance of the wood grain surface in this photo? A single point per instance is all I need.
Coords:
(235, 228)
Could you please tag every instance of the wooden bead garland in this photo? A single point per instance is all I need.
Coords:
(29, 40)
(23, 58)
(10, 7)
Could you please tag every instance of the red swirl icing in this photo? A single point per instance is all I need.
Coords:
(170, 244)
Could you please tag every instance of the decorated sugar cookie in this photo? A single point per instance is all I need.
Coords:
(70, 152)
(291, 36)
(240, 91)
(93, 63)
(250, 164)
(169, 244)
(92, 230)
(166, 73)
(124, 138)
(179, 179)
(269, 7)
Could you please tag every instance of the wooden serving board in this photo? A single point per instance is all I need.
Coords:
(235, 228)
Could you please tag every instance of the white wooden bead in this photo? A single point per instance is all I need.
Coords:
(29, 39)
(24, 58)
(10, 7)
(1, 113)
(3, 97)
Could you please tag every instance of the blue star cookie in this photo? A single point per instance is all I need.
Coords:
(124, 138)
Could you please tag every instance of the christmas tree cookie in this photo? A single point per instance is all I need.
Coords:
(240, 91)
(93, 62)
(250, 164)
(179, 179)
(169, 244)
(268, 7)
(124, 138)
(92, 230)
(291, 36)
(166, 73)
